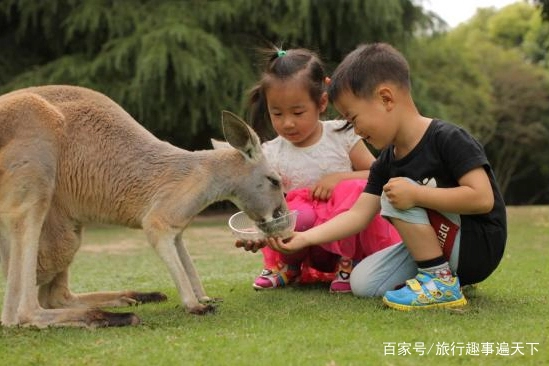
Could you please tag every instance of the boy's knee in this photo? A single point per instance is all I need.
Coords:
(414, 215)
(363, 286)
(386, 206)
(365, 291)
(388, 211)
(382, 271)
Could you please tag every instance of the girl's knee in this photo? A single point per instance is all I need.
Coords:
(306, 218)
(322, 260)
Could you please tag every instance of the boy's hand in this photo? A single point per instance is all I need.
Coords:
(401, 193)
(290, 245)
(251, 246)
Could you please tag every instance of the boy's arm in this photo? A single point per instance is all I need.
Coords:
(341, 226)
(474, 195)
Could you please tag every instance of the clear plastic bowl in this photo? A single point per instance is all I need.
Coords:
(244, 228)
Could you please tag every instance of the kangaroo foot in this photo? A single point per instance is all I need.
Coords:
(84, 318)
(147, 297)
(210, 300)
(102, 319)
(203, 309)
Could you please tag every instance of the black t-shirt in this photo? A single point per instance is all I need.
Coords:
(445, 153)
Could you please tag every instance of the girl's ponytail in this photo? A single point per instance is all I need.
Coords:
(258, 115)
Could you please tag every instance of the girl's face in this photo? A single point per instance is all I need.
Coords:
(294, 115)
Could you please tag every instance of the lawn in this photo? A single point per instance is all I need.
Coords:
(505, 323)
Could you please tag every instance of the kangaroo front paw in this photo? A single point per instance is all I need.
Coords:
(202, 309)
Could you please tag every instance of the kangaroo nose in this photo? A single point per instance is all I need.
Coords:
(279, 211)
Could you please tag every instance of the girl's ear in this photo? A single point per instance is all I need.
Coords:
(323, 102)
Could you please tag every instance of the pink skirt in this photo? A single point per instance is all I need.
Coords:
(379, 234)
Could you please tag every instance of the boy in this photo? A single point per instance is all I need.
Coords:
(432, 180)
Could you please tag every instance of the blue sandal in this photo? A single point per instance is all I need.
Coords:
(424, 292)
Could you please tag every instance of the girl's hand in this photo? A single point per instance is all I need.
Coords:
(251, 246)
(290, 245)
(323, 189)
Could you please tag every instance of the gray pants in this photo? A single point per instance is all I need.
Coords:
(392, 266)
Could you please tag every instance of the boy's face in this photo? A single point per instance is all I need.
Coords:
(369, 117)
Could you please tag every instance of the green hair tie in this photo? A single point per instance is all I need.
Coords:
(281, 53)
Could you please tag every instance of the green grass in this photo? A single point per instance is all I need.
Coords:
(293, 326)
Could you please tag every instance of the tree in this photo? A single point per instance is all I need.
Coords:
(149, 56)
(509, 26)
(544, 6)
(479, 76)
(448, 84)
(521, 93)
(175, 65)
(519, 77)
(536, 42)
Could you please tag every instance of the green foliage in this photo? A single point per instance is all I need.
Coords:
(451, 86)
(521, 26)
(544, 7)
(521, 92)
(536, 42)
(487, 75)
(175, 65)
(520, 95)
(300, 325)
(509, 26)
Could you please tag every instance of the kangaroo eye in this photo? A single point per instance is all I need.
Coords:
(275, 182)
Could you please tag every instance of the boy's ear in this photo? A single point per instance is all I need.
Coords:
(386, 96)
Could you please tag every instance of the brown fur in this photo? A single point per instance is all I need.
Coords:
(70, 156)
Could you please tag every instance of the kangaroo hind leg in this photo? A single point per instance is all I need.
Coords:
(27, 178)
(26, 190)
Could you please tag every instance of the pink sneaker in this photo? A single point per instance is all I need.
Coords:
(273, 278)
(342, 283)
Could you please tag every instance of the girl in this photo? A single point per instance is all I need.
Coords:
(323, 166)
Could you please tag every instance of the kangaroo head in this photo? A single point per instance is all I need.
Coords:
(259, 191)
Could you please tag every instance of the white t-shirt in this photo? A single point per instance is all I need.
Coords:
(302, 167)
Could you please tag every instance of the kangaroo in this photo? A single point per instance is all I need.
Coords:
(70, 156)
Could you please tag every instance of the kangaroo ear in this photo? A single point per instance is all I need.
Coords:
(218, 144)
(240, 136)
